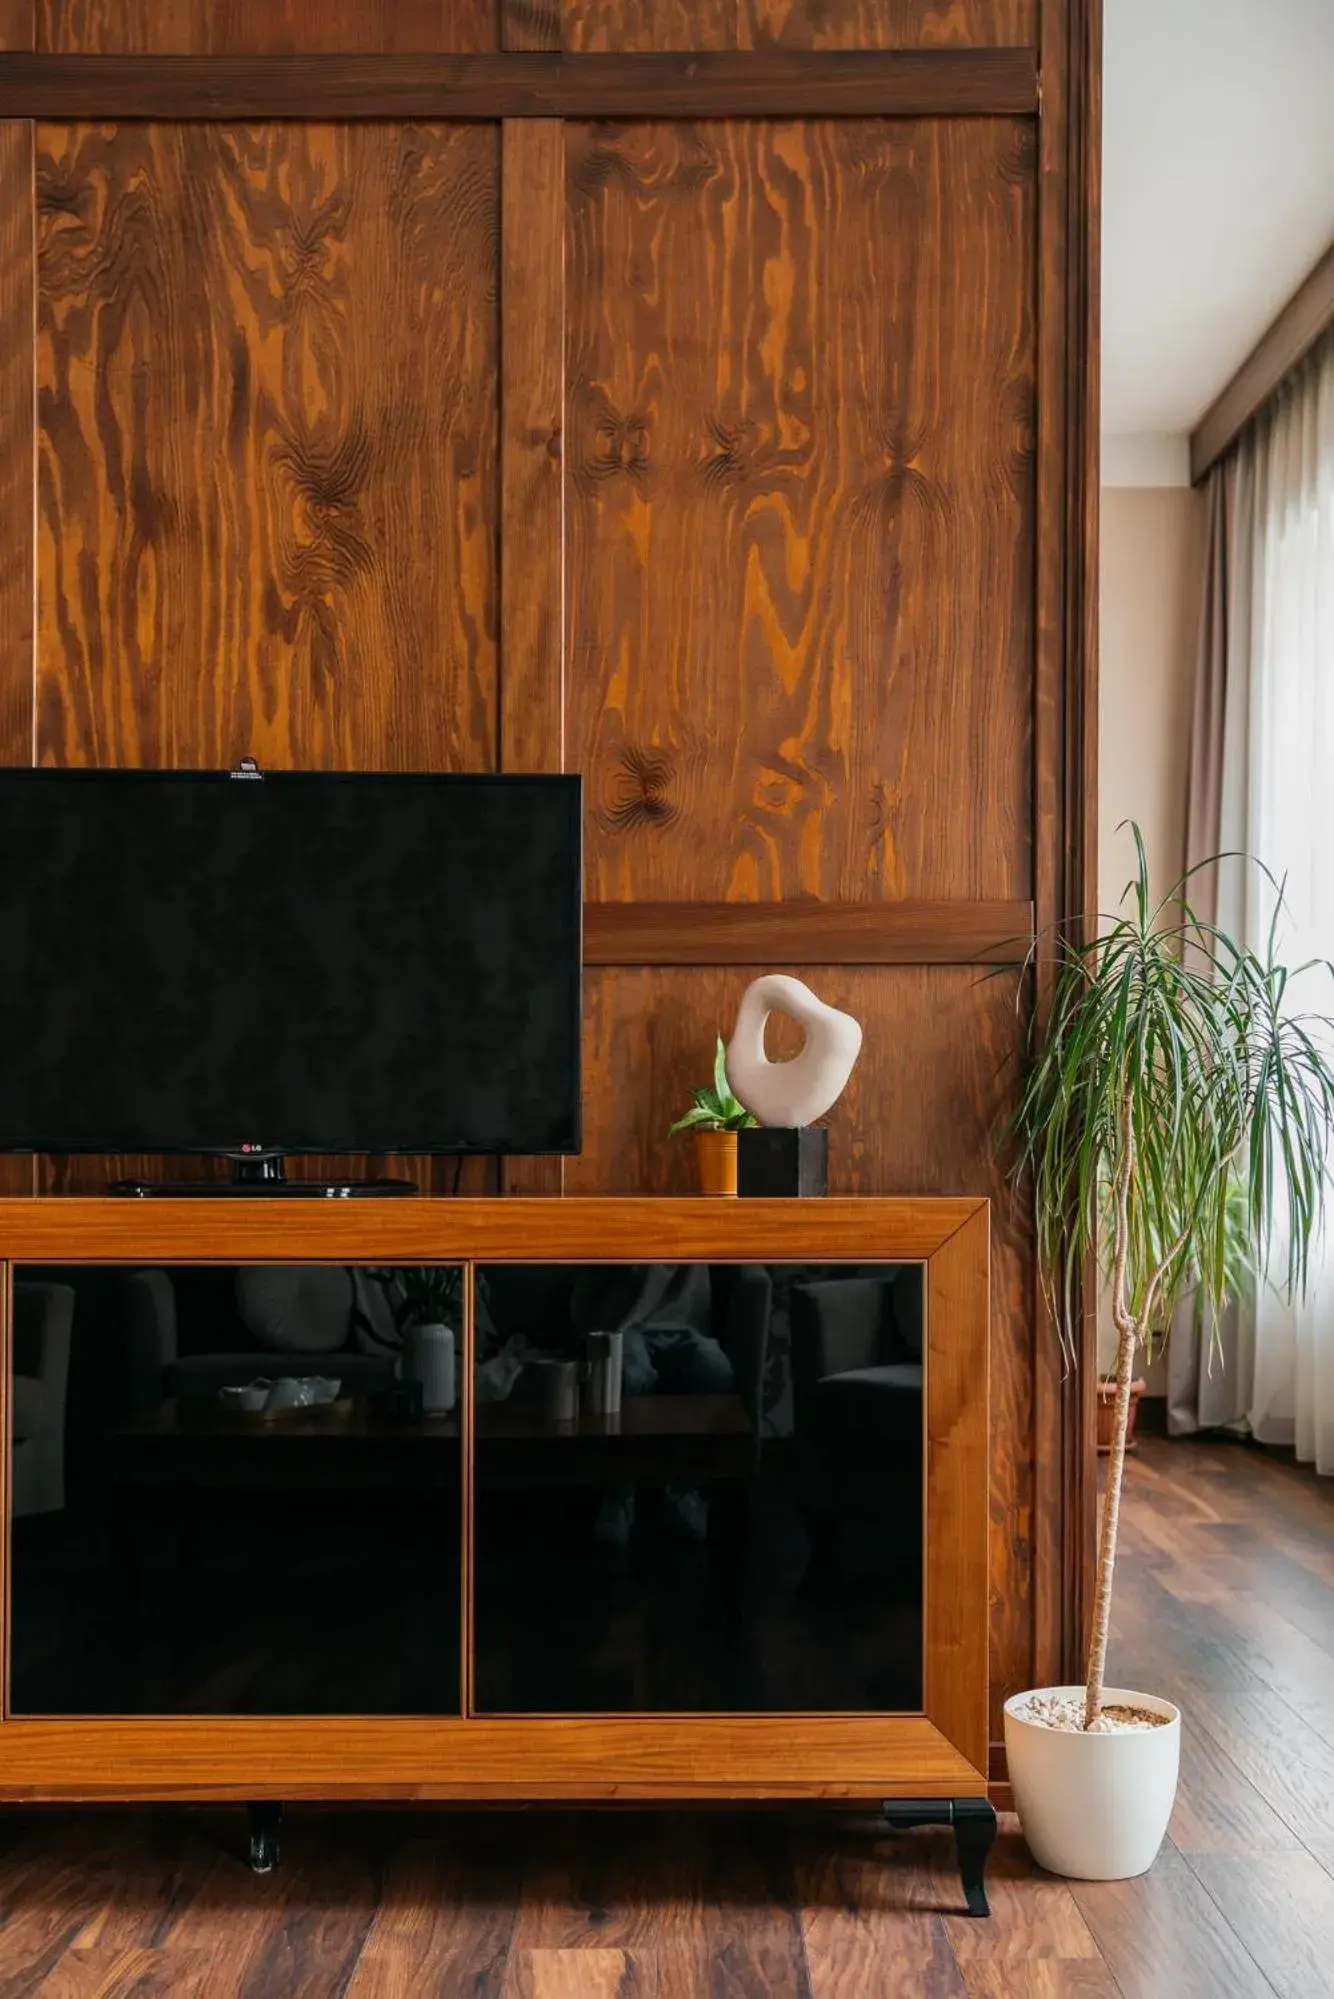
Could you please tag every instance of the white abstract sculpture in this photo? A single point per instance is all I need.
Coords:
(803, 1089)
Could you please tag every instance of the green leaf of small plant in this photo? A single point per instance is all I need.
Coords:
(715, 1108)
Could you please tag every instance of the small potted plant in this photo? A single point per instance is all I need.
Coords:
(715, 1117)
(1173, 1123)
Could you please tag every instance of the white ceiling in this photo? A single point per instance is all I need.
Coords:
(1218, 191)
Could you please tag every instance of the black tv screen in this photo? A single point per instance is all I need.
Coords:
(201, 961)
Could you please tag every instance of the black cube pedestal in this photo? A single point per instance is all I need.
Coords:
(787, 1159)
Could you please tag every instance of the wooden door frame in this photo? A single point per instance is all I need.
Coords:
(941, 1751)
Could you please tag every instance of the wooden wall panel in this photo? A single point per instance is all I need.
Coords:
(267, 389)
(800, 528)
(268, 27)
(17, 443)
(797, 24)
(267, 376)
(917, 1117)
(18, 286)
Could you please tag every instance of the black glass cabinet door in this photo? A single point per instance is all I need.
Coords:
(188, 1539)
(698, 1488)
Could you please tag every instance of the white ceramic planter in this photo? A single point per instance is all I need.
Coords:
(1094, 1807)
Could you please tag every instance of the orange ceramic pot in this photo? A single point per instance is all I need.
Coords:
(716, 1154)
(1107, 1415)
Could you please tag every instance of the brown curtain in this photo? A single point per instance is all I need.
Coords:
(1208, 1382)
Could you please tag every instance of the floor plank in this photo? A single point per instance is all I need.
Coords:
(1033, 1915)
(871, 1917)
(1163, 1937)
(1282, 1907)
(436, 1928)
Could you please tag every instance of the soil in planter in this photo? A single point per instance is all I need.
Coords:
(1066, 1713)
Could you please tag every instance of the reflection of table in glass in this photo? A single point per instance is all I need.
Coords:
(653, 1438)
(657, 1437)
(348, 1448)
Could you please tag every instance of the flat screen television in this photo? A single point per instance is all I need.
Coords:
(252, 963)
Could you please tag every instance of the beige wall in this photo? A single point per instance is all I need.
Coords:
(1152, 548)
(1148, 606)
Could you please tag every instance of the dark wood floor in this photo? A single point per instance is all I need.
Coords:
(1227, 1603)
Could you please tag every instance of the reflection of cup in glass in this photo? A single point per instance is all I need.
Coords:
(558, 1389)
(603, 1367)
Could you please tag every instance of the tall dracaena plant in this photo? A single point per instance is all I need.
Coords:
(1174, 1122)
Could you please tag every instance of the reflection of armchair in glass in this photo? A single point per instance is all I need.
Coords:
(857, 1397)
(188, 1333)
(43, 1319)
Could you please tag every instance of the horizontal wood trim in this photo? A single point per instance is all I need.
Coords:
(519, 1757)
(766, 84)
(1303, 319)
(71, 1229)
(806, 933)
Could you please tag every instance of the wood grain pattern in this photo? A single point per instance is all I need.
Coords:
(262, 27)
(806, 933)
(267, 386)
(958, 1312)
(255, 537)
(561, 1756)
(17, 444)
(18, 457)
(918, 1116)
(532, 420)
(799, 24)
(529, 24)
(600, 1756)
(18, 24)
(775, 83)
(806, 508)
(532, 429)
(1065, 741)
(73, 1229)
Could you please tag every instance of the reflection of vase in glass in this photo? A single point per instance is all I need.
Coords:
(603, 1361)
(428, 1358)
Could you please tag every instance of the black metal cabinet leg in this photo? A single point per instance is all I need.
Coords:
(974, 1830)
(974, 1822)
(265, 1818)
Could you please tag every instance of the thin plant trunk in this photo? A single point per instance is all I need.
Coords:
(1126, 1341)
(1096, 1669)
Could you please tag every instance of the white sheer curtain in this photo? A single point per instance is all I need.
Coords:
(1276, 801)
(1291, 827)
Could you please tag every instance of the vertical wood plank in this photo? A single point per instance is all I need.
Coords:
(17, 492)
(957, 1303)
(530, 24)
(18, 24)
(800, 514)
(268, 460)
(532, 430)
(18, 300)
(532, 421)
(1065, 743)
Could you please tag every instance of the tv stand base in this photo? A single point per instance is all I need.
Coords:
(974, 1822)
(265, 1818)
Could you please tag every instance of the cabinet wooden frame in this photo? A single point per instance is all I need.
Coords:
(939, 1752)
